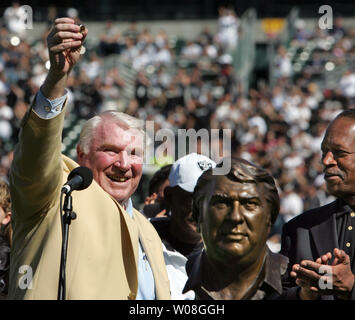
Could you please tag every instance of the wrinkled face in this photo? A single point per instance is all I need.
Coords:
(236, 223)
(338, 158)
(116, 159)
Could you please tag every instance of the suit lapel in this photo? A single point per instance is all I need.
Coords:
(325, 233)
(144, 238)
(134, 233)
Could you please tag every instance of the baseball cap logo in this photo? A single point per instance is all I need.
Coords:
(204, 165)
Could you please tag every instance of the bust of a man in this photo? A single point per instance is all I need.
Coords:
(234, 214)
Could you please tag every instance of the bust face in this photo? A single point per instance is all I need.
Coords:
(236, 223)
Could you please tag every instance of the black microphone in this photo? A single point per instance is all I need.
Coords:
(79, 178)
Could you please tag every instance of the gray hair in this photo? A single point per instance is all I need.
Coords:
(123, 120)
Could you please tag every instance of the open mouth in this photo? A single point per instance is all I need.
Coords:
(115, 178)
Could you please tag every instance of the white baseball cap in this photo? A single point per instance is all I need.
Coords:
(186, 170)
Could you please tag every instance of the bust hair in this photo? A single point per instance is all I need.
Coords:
(349, 113)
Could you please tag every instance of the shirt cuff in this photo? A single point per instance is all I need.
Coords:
(48, 109)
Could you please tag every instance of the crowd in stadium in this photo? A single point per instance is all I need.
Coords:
(195, 85)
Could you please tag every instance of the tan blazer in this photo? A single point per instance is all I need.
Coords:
(103, 240)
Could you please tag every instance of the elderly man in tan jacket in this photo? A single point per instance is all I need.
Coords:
(113, 251)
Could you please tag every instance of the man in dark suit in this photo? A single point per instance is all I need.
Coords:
(320, 242)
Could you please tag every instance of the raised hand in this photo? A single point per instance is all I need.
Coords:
(64, 43)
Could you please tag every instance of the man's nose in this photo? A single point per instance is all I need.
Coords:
(328, 159)
(122, 161)
(236, 212)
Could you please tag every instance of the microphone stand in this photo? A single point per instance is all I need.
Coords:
(66, 218)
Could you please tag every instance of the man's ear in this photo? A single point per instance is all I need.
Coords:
(7, 218)
(168, 192)
(80, 154)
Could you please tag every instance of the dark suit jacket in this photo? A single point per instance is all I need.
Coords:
(309, 236)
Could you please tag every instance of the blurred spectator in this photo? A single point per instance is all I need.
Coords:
(92, 67)
(132, 31)
(109, 40)
(347, 84)
(312, 199)
(111, 90)
(178, 231)
(51, 15)
(6, 160)
(14, 18)
(338, 30)
(74, 14)
(283, 66)
(155, 204)
(5, 212)
(291, 203)
(6, 116)
(192, 50)
(301, 33)
(87, 96)
(228, 28)
(5, 237)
